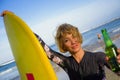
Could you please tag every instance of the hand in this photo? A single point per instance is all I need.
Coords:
(118, 57)
(4, 13)
(118, 60)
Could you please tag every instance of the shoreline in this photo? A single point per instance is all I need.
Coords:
(99, 44)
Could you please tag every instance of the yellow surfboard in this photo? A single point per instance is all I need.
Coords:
(31, 60)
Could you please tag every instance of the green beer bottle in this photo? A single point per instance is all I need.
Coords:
(110, 51)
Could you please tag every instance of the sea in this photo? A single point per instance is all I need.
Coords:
(9, 71)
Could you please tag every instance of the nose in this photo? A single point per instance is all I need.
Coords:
(73, 41)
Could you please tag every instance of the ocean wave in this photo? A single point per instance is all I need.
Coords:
(116, 30)
(8, 62)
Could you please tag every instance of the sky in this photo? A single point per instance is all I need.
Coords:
(44, 16)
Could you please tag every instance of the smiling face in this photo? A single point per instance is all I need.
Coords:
(68, 38)
(71, 43)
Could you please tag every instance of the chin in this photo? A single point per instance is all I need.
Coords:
(77, 50)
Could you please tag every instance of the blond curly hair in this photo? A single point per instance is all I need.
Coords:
(62, 31)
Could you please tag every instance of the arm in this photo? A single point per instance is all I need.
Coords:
(51, 54)
(118, 60)
(102, 58)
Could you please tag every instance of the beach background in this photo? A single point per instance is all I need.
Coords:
(8, 70)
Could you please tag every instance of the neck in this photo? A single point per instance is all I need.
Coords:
(79, 55)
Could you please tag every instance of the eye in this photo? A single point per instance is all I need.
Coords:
(66, 40)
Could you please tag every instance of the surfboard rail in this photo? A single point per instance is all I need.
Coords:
(31, 59)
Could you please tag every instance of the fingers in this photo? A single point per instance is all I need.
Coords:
(118, 50)
(118, 57)
(4, 13)
(106, 58)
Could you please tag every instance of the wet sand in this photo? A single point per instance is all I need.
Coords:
(97, 46)
(100, 47)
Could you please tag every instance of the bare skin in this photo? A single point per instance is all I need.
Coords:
(74, 47)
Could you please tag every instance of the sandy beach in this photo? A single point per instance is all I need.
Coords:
(116, 40)
(13, 74)
(95, 47)
(98, 47)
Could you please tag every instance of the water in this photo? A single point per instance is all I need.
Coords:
(9, 71)
(7, 66)
(90, 36)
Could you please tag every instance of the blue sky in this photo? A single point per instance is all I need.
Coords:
(43, 16)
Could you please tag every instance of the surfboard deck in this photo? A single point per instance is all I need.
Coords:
(30, 58)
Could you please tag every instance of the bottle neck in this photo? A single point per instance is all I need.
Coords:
(107, 39)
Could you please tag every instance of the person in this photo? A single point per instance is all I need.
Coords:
(81, 64)
(100, 41)
(99, 36)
